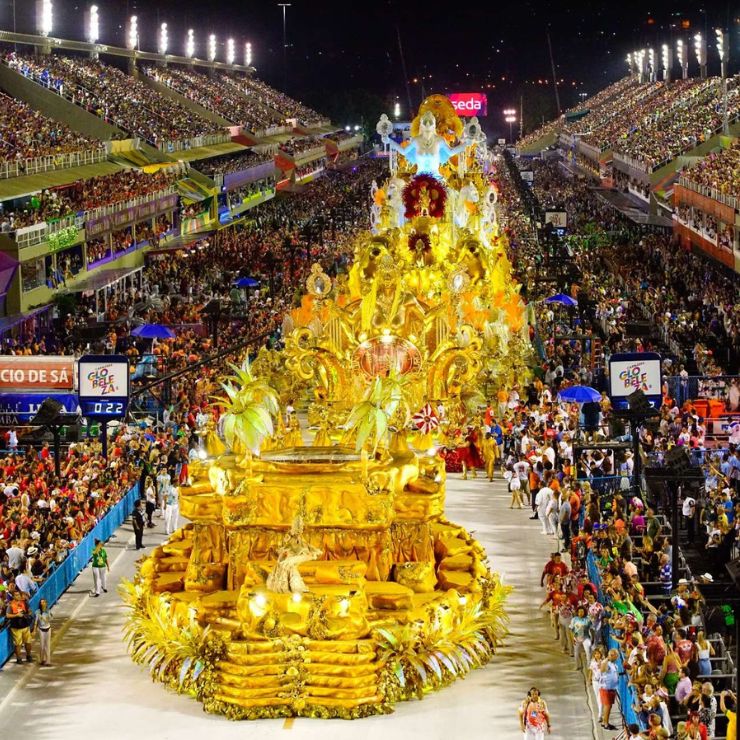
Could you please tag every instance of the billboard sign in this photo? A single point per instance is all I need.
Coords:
(470, 104)
(17, 409)
(635, 371)
(104, 386)
(37, 374)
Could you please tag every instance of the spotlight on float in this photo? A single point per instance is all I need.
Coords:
(190, 44)
(132, 37)
(44, 17)
(230, 52)
(212, 48)
(93, 25)
(248, 54)
(163, 39)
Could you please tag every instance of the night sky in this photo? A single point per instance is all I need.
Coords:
(499, 48)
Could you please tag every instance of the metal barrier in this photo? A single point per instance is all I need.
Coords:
(34, 165)
(62, 577)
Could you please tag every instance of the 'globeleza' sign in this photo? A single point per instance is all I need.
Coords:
(37, 373)
(470, 104)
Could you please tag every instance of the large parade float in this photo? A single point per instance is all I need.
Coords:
(323, 579)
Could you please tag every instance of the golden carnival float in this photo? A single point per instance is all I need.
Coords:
(324, 580)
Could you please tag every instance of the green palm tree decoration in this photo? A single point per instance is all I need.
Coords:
(250, 405)
(371, 417)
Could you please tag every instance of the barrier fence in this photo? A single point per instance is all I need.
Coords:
(62, 577)
(625, 691)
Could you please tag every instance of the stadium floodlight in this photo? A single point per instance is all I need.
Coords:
(93, 24)
(397, 110)
(44, 17)
(163, 39)
(248, 54)
(682, 53)
(640, 58)
(190, 44)
(651, 64)
(230, 53)
(722, 50)
(510, 118)
(132, 37)
(700, 49)
(212, 48)
(630, 63)
(667, 58)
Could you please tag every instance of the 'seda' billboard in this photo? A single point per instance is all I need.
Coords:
(470, 104)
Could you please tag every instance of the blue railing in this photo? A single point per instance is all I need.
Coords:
(625, 691)
(65, 573)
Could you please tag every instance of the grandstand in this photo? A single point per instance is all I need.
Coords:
(99, 166)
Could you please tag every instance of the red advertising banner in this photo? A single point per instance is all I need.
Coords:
(470, 104)
(37, 373)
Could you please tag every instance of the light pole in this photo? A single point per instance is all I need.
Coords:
(700, 48)
(510, 118)
(683, 58)
(285, 7)
(724, 52)
(667, 55)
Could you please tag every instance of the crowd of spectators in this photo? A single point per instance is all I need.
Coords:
(88, 195)
(115, 96)
(216, 95)
(295, 147)
(43, 516)
(233, 162)
(686, 121)
(718, 171)
(26, 133)
(272, 98)
(692, 302)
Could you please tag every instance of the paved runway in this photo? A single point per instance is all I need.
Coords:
(93, 690)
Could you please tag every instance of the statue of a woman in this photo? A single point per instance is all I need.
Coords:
(295, 549)
(428, 151)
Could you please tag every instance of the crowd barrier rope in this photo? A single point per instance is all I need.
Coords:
(625, 691)
(62, 577)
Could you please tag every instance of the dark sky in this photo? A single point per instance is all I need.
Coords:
(336, 46)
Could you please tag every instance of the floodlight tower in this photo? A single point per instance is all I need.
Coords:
(700, 49)
(651, 65)
(230, 52)
(212, 48)
(92, 28)
(190, 44)
(667, 58)
(44, 22)
(248, 54)
(682, 52)
(164, 39)
(723, 50)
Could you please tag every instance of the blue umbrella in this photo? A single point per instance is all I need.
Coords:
(247, 282)
(153, 331)
(580, 394)
(566, 300)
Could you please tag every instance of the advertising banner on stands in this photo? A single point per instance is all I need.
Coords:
(37, 374)
(17, 409)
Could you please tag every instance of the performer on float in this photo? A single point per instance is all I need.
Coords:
(428, 151)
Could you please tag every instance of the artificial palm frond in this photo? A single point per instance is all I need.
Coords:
(183, 656)
(249, 405)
